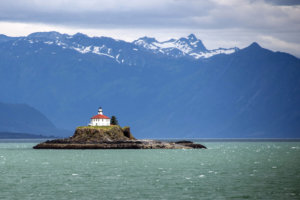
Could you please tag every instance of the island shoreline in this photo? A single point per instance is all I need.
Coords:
(112, 137)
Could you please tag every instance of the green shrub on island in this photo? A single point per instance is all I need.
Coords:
(98, 127)
(114, 120)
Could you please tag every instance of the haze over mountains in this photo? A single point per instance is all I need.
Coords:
(21, 118)
(170, 89)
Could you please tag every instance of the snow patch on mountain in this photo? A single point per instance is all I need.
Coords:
(187, 46)
(48, 42)
(97, 50)
(146, 45)
(83, 49)
(214, 52)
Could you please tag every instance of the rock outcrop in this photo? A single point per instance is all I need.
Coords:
(90, 134)
(111, 137)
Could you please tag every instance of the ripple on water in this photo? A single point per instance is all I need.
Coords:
(138, 174)
(295, 147)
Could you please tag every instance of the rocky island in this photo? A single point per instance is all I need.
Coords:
(111, 137)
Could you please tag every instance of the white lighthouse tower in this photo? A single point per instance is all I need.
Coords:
(100, 111)
(100, 119)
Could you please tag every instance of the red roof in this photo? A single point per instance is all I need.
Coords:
(100, 117)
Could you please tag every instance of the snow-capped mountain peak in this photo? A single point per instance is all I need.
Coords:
(189, 46)
(192, 37)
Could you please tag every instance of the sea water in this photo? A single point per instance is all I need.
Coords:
(226, 170)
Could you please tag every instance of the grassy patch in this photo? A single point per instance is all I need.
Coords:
(97, 127)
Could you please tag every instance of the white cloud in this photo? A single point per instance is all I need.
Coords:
(276, 44)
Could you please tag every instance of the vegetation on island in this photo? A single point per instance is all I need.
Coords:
(101, 133)
(97, 127)
(114, 120)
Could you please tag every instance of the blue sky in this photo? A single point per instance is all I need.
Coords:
(275, 24)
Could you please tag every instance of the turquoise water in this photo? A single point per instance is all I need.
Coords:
(226, 170)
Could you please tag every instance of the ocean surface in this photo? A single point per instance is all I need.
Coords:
(226, 170)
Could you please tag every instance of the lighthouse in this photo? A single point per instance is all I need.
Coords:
(100, 111)
(100, 119)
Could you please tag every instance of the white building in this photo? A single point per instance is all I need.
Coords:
(100, 119)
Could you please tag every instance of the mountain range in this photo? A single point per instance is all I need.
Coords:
(121, 51)
(172, 89)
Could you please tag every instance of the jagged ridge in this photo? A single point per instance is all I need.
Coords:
(120, 51)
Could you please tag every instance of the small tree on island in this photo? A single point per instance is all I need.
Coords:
(114, 120)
